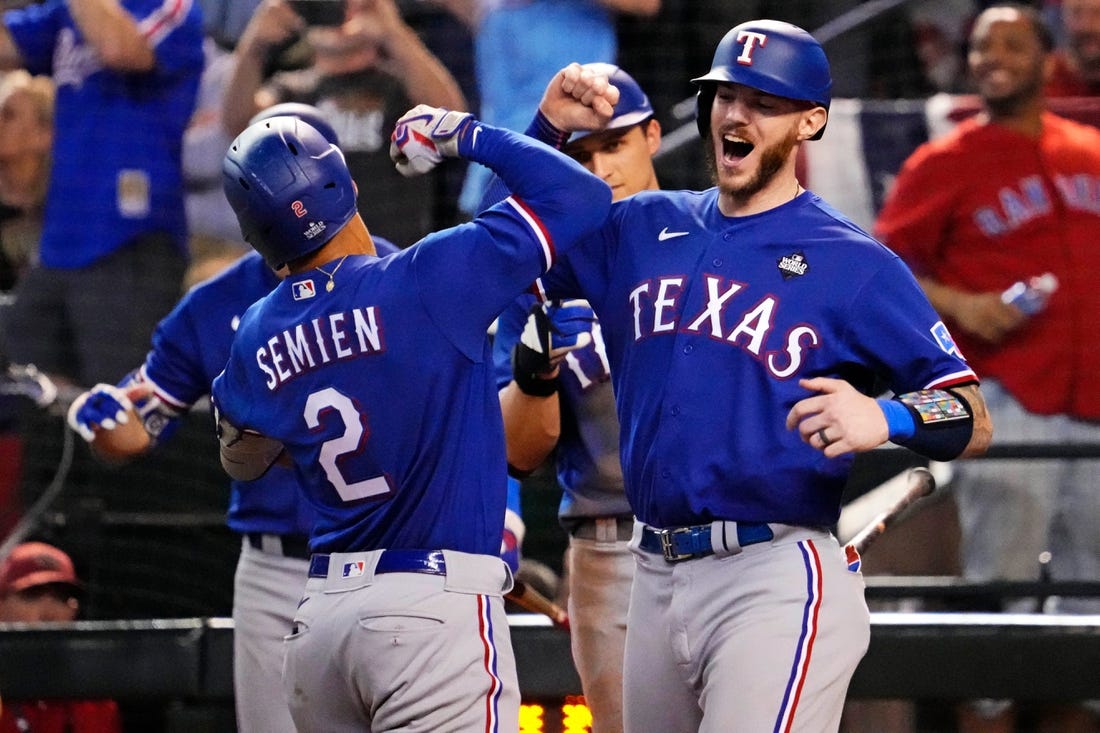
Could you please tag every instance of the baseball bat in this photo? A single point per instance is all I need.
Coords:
(531, 600)
(921, 483)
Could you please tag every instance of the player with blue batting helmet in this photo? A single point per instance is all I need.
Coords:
(769, 55)
(289, 216)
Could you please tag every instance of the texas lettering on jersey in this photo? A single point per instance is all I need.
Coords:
(658, 310)
(319, 341)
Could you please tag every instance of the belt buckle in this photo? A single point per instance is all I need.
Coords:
(667, 549)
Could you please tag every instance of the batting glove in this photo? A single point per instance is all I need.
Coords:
(549, 334)
(104, 406)
(424, 136)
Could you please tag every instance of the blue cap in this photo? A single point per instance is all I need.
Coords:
(633, 106)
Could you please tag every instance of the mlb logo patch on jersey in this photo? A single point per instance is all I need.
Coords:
(943, 338)
(353, 569)
(851, 555)
(304, 290)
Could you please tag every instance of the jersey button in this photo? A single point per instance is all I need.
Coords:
(675, 409)
(717, 262)
(688, 349)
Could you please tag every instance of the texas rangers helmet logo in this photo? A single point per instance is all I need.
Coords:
(353, 569)
(749, 41)
(304, 290)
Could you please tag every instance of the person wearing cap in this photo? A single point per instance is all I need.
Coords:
(38, 584)
(570, 410)
(750, 329)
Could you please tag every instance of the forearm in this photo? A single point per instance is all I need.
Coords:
(532, 426)
(424, 76)
(114, 34)
(983, 425)
(239, 102)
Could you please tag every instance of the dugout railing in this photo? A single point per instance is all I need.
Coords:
(943, 656)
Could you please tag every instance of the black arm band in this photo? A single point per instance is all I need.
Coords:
(935, 423)
(527, 366)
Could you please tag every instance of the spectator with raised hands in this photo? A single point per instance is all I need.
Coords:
(363, 74)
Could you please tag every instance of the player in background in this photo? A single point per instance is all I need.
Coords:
(744, 327)
(1006, 197)
(566, 405)
(375, 377)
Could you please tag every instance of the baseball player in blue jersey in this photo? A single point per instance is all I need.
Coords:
(568, 407)
(114, 241)
(190, 347)
(747, 328)
(374, 377)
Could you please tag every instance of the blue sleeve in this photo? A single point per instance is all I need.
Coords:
(173, 29)
(899, 332)
(174, 364)
(34, 30)
(540, 129)
(467, 274)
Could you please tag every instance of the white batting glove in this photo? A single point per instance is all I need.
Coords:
(104, 406)
(424, 136)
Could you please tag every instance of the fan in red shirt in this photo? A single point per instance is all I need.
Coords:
(38, 584)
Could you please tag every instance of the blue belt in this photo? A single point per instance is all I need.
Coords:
(686, 543)
(430, 562)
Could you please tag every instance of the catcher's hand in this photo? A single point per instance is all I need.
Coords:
(551, 332)
(424, 136)
(103, 406)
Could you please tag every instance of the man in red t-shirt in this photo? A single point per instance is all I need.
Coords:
(38, 584)
(1010, 195)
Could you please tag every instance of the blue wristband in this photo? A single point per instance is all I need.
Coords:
(543, 130)
(899, 421)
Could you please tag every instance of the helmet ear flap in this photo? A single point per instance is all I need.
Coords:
(704, 100)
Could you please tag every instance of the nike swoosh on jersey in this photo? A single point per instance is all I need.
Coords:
(473, 140)
(666, 234)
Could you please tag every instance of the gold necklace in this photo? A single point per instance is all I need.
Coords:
(330, 284)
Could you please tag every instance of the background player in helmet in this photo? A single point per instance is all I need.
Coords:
(746, 327)
(572, 398)
(190, 347)
(376, 377)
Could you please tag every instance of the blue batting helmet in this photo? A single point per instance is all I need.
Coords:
(289, 186)
(769, 55)
(315, 117)
(633, 106)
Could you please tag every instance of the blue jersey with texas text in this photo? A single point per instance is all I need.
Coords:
(382, 389)
(710, 321)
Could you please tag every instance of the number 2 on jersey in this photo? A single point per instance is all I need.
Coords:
(348, 444)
